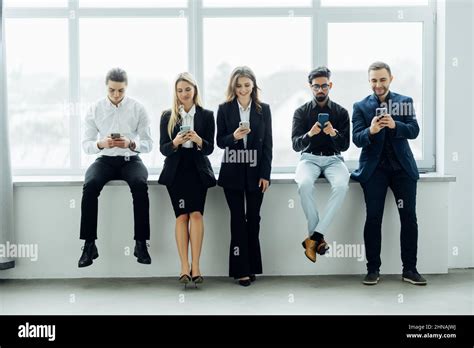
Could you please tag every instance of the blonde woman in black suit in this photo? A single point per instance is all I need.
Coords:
(186, 139)
(244, 130)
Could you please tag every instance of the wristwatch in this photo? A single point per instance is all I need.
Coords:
(132, 146)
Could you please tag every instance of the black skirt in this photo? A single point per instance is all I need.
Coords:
(187, 192)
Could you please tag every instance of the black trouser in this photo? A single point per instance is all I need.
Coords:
(245, 257)
(404, 190)
(104, 169)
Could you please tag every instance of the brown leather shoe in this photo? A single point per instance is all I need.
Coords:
(310, 249)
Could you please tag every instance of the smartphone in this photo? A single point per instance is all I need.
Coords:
(115, 135)
(184, 129)
(244, 124)
(379, 112)
(323, 119)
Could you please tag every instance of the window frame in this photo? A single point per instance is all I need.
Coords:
(320, 18)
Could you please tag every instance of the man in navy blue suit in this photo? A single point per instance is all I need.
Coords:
(386, 161)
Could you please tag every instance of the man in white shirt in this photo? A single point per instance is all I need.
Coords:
(117, 128)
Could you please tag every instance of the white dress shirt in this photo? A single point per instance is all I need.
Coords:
(129, 118)
(188, 120)
(245, 116)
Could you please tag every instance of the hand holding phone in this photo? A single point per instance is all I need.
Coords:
(242, 130)
(380, 112)
(184, 129)
(244, 124)
(323, 118)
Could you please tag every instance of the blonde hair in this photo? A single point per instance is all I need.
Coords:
(175, 116)
(244, 71)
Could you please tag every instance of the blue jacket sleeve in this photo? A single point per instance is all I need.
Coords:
(407, 129)
(360, 129)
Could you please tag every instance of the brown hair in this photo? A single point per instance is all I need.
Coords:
(244, 71)
(380, 66)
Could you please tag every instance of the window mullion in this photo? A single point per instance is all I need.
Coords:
(74, 89)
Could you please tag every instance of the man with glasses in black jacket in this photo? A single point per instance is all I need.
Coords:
(321, 132)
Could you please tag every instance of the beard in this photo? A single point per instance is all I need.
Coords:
(321, 97)
(385, 90)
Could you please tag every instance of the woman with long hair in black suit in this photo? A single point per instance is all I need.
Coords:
(244, 131)
(186, 139)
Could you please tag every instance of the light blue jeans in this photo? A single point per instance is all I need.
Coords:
(308, 170)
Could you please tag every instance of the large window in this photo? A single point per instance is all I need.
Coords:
(37, 93)
(151, 63)
(58, 52)
(259, 3)
(372, 3)
(351, 70)
(280, 65)
(131, 4)
(36, 3)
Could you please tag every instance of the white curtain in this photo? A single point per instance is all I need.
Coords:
(6, 186)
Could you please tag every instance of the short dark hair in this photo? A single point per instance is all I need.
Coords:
(321, 71)
(379, 66)
(116, 75)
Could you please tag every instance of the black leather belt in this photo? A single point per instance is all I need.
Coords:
(324, 153)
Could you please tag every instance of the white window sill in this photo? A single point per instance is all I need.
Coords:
(78, 180)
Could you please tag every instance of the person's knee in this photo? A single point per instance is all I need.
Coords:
(305, 186)
(253, 216)
(374, 215)
(92, 187)
(196, 216)
(341, 188)
(183, 218)
(407, 215)
(138, 185)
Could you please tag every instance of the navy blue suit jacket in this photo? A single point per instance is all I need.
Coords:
(402, 111)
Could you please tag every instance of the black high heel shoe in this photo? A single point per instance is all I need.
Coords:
(197, 279)
(253, 277)
(245, 282)
(184, 279)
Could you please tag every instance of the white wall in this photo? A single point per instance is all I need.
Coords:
(44, 215)
(458, 113)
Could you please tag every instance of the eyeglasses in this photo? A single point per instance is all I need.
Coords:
(317, 87)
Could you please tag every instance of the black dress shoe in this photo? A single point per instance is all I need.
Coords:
(89, 253)
(141, 252)
(245, 282)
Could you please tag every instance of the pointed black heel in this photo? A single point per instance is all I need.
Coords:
(197, 279)
(184, 279)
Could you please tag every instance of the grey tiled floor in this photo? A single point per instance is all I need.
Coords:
(450, 293)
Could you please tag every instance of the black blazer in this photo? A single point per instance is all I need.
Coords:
(204, 126)
(243, 175)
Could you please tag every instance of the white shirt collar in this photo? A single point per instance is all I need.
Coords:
(241, 108)
(191, 112)
(119, 105)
